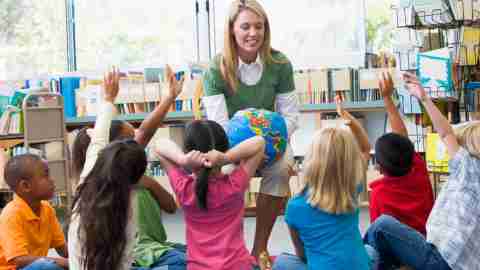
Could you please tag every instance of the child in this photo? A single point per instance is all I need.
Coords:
(151, 248)
(323, 219)
(28, 224)
(453, 227)
(213, 202)
(405, 191)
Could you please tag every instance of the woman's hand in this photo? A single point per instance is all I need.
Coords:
(174, 86)
(110, 85)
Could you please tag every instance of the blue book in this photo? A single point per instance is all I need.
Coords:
(68, 86)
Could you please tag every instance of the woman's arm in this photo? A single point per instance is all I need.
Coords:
(214, 99)
(358, 131)
(154, 120)
(216, 109)
(287, 105)
(440, 123)
(101, 132)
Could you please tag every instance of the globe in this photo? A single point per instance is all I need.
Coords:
(270, 125)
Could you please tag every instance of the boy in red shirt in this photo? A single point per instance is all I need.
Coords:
(404, 191)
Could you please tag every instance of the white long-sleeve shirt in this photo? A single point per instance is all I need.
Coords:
(99, 139)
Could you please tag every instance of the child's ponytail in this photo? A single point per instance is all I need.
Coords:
(201, 187)
(204, 136)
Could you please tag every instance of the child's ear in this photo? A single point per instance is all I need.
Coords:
(24, 186)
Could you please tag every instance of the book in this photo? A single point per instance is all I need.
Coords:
(435, 73)
(433, 12)
(404, 13)
(469, 45)
(436, 156)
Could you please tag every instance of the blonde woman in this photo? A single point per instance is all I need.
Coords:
(323, 219)
(250, 74)
(453, 227)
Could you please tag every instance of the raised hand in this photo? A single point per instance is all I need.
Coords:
(174, 86)
(413, 86)
(344, 114)
(110, 85)
(386, 84)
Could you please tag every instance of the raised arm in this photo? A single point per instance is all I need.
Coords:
(250, 153)
(154, 120)
(101, 132)
(164, 199)
(440, 123)
(386, 89)
(358, 131)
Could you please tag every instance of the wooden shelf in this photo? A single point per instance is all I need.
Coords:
(377, 105)
(171, 118)
(179, 117)
(11, 136)
(11, 140)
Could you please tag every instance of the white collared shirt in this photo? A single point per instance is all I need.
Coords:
(250, 74)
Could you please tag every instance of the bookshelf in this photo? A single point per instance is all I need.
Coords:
(363, 106)
(171, 118)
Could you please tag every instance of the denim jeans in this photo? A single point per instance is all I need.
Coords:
(289, 262)
(398, 245)
(292, 262)
(42, 264)
(174, 259)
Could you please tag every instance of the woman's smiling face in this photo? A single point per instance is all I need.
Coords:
(249, 33)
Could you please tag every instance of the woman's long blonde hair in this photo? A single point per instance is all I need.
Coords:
(229, 60)
(334, 167)
(468, 136)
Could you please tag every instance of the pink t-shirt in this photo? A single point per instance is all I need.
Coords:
(214, 237)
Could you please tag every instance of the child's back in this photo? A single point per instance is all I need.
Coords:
(215, 237)
(213, 202)
(409, 198)
(324, 218)
(332, 241)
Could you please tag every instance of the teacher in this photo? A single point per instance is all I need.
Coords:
(250, 74)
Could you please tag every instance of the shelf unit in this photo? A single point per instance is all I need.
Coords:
(184, 116)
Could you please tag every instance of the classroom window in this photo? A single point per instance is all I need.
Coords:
(134, 34)
(32, 38)
(312, 33)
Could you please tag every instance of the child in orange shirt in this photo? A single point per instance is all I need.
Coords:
(28, 224)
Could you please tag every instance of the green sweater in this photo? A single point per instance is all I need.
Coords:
(277, 78)
(151, 241)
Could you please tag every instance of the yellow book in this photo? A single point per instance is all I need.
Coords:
(468, 54)
(437, 156)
